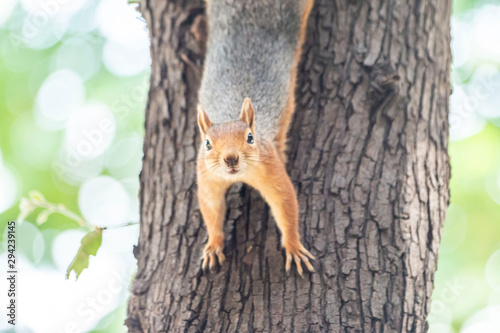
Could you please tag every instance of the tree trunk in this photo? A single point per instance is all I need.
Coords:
(368, 157)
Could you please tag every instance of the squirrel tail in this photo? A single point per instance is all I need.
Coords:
(286, 118)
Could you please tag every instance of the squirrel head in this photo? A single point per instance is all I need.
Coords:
(229, 149)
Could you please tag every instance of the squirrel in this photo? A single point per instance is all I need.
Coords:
(253, 50)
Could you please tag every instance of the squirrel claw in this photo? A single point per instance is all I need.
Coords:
(210, 257)
(300, 255)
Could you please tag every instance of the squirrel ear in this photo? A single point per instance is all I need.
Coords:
(248, 114)
(204, 122)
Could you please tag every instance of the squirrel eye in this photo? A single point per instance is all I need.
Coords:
(250, 138)
(208, 145)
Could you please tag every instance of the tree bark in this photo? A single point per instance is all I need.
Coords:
(368, 157)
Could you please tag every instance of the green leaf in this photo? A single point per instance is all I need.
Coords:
(90, 243)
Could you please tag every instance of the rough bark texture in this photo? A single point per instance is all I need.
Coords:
(368, 156)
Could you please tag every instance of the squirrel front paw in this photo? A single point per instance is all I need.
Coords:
(210, 253)
(298, 253)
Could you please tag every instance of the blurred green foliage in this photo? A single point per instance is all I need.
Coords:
(29, 150)
(472, 230)
(462, 6)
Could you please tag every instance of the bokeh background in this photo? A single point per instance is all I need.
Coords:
(73, 85)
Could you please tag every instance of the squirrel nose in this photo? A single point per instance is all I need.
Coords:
(231, 161)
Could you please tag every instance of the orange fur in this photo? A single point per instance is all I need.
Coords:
(260, 166)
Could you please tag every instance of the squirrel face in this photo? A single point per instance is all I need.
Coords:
(229, 149)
